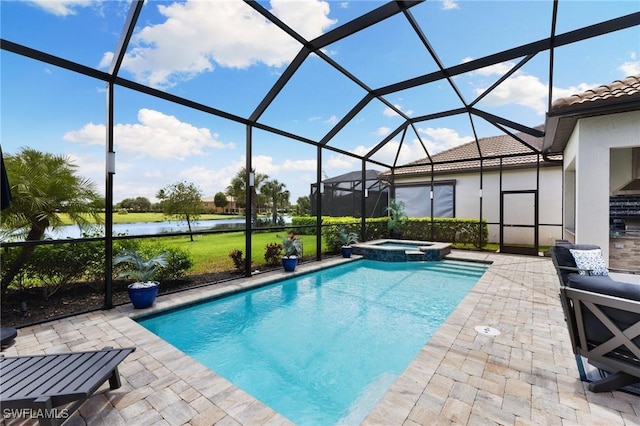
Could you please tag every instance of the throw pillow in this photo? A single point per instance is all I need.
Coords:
(590, 259)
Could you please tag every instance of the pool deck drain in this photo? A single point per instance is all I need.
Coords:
(527, 375)
(487, 331)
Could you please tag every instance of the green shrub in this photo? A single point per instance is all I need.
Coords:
(309, 221)
(237, 259)
(272, 254)
(178, 263)
(52, 266)
(7, 257)
(450, 230)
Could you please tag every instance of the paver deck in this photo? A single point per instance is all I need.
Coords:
(525, 375)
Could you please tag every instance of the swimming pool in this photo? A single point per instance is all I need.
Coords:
(322, 348)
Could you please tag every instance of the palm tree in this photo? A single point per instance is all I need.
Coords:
(237, 189)
(43, 186)
(277, 194)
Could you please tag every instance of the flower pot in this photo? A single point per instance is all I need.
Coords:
(346, 251)
(289, 263)
(142, 295)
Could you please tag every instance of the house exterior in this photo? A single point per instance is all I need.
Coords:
(231, 207)
(598, 133)
(520, 195)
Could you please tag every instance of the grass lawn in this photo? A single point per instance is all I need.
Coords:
(210, 253)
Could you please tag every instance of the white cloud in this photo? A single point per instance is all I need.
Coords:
(382, 131)
(340, 162)
(441, 138)
(631, 67)
(450, 4)
(435, 140)
(331, 120)
(305, 165)
(61, 7)
(527, 90)
(519, 89)
(495, 69)
(197, 36)
(157, 135)
(389, 112)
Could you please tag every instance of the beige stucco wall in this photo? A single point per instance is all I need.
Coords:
(468, 200)
(588, 152)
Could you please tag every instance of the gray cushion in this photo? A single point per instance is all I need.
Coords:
(605, 285)
(595, 331)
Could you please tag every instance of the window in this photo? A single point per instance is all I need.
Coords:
(417, 199)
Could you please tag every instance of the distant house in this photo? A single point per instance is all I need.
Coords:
(230, 208)
(598, 133)
(520, 195)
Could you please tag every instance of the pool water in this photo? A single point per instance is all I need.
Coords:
(322, 348)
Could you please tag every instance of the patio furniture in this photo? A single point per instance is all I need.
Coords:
(603, 317)
(42, 383)
(7, 335)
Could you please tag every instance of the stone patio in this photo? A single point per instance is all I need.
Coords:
(525, 375)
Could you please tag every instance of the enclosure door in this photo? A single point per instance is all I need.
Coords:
(519, 222)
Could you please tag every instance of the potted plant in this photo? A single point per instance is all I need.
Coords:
(292, 247)
(397, 218)
(346, 239)
(143, 291)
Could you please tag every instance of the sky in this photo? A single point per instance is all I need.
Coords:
(222, 54)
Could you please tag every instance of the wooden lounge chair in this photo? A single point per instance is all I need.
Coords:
(603, 317)
(41, 383)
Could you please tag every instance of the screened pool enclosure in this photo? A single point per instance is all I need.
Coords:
(141, 94)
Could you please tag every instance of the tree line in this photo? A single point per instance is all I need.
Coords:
(45, 185)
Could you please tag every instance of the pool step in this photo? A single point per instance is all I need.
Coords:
(414, 255)
(461, 268)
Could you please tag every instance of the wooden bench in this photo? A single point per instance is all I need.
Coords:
(43, 382)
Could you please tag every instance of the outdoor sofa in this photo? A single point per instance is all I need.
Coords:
(603, 317)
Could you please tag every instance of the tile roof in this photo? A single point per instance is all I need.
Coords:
(615, 92)
(454, 158)
(617, 97)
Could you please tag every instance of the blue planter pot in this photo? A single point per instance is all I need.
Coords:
(346, 251)
(143, 297)
(289, 263)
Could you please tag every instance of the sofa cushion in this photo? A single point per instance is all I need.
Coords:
(595, 331)
(591, 260)
(605, 285)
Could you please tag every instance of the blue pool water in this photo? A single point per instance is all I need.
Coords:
(322, 348)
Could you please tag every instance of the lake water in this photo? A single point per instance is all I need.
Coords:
(149, 228)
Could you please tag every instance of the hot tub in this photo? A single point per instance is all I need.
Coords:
(402, 250)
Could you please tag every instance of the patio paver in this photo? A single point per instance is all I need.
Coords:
(524, 376)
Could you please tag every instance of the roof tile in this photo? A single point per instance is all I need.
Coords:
(607, 93)
(454, 158)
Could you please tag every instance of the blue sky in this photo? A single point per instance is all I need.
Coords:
(222, 54)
